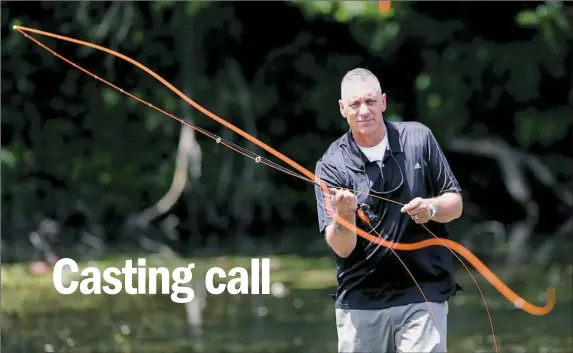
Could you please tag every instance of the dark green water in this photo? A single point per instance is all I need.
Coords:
(37, 319)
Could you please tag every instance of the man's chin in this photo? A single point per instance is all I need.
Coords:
(366, 130)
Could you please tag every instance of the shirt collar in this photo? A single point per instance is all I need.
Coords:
(358, 159)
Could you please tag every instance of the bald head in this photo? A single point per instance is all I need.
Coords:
(357, 80)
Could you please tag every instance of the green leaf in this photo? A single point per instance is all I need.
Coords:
(423, 81)
(545, 127)
(7, 158)
(434, 100)
(528, 18)
(110, 97)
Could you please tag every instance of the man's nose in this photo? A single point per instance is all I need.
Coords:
(363, 109)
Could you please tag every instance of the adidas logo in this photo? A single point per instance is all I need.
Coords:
(417, 166)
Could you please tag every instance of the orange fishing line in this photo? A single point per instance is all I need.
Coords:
(308, 176)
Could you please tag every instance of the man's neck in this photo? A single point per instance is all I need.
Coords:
(372, 140)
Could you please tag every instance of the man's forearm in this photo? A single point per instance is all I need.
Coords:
(341, 239)
(449, 206)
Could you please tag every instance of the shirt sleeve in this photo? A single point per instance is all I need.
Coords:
(329, 174)
(442, 178)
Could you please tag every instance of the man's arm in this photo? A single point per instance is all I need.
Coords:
(341, 239)
(448, 204)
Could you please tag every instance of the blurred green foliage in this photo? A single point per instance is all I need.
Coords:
(68, 139)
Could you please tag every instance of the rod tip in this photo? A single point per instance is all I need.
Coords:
(14, 27)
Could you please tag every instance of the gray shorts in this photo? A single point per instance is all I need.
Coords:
(401, 329)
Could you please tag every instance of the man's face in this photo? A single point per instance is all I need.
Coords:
(362, 105)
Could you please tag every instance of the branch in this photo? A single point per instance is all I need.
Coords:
(513, 163)
(495, 228)
(510, 164)
(544, 252)
(250, 171)
(544, 176)
(188, 153)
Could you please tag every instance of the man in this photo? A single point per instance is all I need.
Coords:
(378, 306)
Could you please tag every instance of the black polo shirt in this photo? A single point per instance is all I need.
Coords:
(371, 277)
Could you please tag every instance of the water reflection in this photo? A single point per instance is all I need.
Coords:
(291, 321)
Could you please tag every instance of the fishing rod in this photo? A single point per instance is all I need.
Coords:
(303, 174)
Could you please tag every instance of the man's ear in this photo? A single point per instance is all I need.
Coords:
(341, 107)
(383, 102)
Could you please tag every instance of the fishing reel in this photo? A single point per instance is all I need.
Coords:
(366, 215)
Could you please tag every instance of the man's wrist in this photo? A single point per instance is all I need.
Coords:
(347, 215)
(433, 209)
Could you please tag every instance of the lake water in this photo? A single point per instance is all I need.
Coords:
(297, 318)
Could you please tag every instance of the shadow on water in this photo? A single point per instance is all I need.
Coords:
(288, 321)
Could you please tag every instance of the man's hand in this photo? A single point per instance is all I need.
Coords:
(419, 209)
(345, 201)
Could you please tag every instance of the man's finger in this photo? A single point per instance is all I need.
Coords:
(408, 207)
(411, 205)
(412, 211)
(338, 196)
(420, 209)
(335, 193)
(418, 218)
(416, 212)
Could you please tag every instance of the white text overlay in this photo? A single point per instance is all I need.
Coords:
(140, 279)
